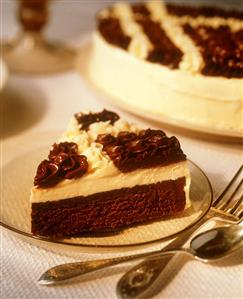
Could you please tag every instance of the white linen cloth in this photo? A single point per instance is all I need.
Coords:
(46, 103)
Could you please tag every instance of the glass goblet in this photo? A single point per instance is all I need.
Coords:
(30, 52)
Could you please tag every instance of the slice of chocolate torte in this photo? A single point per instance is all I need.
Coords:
(105, 174)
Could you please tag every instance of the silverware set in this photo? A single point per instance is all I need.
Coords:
(227, 209)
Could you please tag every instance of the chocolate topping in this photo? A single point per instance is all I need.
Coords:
(64, 163)
(47, 174)
(220, 48)
(164, 51)
(206, 11)
(63, 147)
(112, 32)
(149, 148)
(140, 9)
(85, 120)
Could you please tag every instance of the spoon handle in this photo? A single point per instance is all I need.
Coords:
(138, 280)
(67, 271)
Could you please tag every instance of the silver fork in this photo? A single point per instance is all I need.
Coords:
(68, 271)
(227, 207)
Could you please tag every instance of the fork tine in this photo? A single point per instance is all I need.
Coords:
(237, 204)
(240, 215)
(220, 201)
(229, 201)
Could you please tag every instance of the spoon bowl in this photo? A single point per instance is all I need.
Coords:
(216, 243)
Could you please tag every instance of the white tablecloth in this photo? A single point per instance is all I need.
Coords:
(42, 103)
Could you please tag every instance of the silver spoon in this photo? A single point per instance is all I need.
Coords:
(206, 247)
(65, 272)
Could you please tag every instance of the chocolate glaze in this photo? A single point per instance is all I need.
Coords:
(63, 147)
(64, 163)
(85, 120)
(206, 11)
(112, 32)
(47, 174)
(111, 210)
(140, 9)
(149, 148)
(164, 51)
(220, 49)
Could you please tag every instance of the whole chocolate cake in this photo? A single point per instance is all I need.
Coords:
(172, 61)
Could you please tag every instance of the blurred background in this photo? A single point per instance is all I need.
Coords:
(35, 100)
(70, 19)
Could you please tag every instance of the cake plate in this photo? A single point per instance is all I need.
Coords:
(17, 175)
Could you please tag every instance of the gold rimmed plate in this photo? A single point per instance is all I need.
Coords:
(18, 170)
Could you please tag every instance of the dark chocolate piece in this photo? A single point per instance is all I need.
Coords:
(63, 147)
(140, 9)
(149, 148)
(206, 11)
(64, 163)
(47, 174)
(111, 210)
(164, 51)
(220, 48)
(85, 120)
(112, 32)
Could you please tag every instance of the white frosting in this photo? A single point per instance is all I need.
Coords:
(108, 177)
(192, 60)
(140, 44)
(102, 175)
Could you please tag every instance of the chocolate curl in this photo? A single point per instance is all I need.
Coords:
(85, 120)
(64, 163)
(47, 174)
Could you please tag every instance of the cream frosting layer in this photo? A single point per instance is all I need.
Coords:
(110, 178)
(212, 102)
(102, 175)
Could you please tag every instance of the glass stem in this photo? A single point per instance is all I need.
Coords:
(33, 15)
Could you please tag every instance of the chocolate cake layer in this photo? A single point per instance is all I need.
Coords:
(110, 210)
